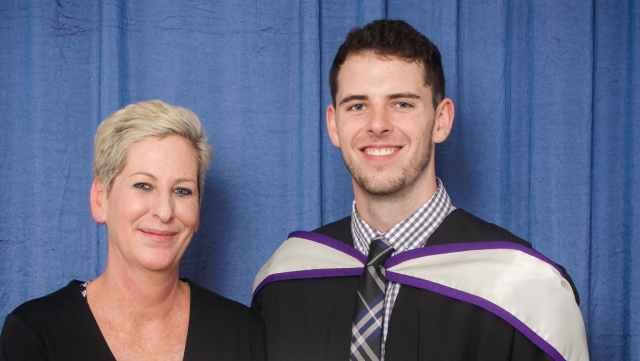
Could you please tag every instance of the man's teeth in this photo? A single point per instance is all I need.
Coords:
(379, 151)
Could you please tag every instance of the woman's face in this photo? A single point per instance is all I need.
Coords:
(152, 209)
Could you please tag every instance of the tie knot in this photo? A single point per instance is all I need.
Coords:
(379, 251)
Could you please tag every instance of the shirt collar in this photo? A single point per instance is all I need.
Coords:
(412, 232)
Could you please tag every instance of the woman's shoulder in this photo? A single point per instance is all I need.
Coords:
(238, 331)
(52, 305)
(59, 325)
(208, 303)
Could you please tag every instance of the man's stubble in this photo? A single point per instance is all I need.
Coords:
(388, 186)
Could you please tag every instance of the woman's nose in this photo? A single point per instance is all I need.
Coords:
(163, 206)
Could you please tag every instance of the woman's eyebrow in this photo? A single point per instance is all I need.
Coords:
(143, 173)
(185, 180)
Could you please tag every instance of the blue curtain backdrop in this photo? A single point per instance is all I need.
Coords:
(544, 141)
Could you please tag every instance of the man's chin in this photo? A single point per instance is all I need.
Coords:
(381, 188)
(387, 181)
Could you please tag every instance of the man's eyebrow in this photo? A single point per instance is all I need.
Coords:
(403, 95)
(353, 97)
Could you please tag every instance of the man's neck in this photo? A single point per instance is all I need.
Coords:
(384, 212)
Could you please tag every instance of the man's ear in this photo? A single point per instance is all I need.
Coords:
(98, 199)
(332, 126)
(444, 120)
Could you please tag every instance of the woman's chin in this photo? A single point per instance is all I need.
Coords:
(158, 261)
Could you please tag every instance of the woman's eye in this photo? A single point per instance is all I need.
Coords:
(142, 186)
(183, 191)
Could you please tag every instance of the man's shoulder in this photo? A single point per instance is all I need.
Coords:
(339, 230)
(461, 226)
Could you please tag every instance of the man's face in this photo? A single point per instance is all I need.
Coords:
(383, 122)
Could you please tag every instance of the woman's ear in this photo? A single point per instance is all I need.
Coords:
(98, 198)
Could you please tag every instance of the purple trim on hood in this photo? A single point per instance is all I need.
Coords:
(480, 302)
(462, 247)
(314, 273)
(330, 242)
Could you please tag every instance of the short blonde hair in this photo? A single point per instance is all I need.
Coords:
(150, 119)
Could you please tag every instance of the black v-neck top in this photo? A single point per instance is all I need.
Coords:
(60, 326)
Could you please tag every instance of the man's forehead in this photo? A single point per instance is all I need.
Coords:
(368, 71)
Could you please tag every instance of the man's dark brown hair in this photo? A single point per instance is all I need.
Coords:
(393, 38)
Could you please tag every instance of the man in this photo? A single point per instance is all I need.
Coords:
(408, 276)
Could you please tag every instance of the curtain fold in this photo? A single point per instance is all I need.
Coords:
(543, 142)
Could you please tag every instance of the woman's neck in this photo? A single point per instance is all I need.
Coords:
(142, 314)
(136, 291)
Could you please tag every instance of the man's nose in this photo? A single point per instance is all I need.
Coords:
(379, 122)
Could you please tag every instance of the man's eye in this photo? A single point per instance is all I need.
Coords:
(356, 107)
(403, 105)
(142, 186)
(183, 191)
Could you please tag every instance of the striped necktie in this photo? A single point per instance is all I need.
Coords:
(366, 331)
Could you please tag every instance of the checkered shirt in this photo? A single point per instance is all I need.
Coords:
(413, 232)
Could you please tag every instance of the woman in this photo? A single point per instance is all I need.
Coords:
(149, 166)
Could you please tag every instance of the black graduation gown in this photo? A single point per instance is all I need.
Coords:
(310, 319)
(60, 326)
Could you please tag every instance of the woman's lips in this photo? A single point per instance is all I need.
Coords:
(159, 234)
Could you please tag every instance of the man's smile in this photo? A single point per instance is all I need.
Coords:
(380, 151)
